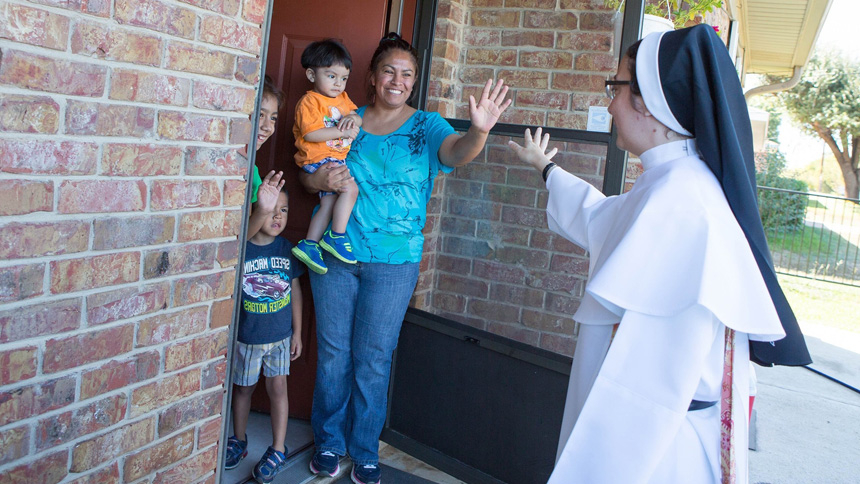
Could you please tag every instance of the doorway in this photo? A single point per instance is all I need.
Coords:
(294, 25)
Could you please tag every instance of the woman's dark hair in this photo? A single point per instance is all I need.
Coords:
(272, 90)
(392, 41)
(631, 66)
(326, 53)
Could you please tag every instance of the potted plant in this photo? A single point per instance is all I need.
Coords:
(671, 14)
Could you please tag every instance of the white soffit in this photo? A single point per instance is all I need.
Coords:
(778, 35)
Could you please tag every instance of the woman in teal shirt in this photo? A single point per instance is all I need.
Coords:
(360, 307)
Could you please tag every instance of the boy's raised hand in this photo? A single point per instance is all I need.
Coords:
(533, 151)
(267, 193)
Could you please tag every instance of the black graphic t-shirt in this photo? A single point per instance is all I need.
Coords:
(267, 313)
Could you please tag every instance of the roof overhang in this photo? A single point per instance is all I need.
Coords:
(778, 35)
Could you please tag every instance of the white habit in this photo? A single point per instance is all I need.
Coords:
(670, 263)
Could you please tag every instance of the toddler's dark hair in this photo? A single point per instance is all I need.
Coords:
(272, 90)
(326, 53)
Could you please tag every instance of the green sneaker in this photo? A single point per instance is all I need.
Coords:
(338, 246)
(309, 252)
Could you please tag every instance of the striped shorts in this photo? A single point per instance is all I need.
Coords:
(273, 358)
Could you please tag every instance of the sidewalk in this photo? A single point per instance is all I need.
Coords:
(808, 427)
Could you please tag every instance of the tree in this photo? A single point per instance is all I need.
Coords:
(826, 103)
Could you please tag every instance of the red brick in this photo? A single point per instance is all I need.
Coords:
(578, 82)
(49, 469)
(240, 131)
(546, 60)
(158, 456)
(247, 69)
(199, 60)
(102, 196)
(106, 475)
(524, 216)
(141, 160)
(528, 38)
(41, 73)
(228, 253)
(209, 225)
(221, 31)
(495, 271)
(178, 260)
(496, 18)
(557, 20)
(491, 57)
(89, 454)
(547, 100)
(119, 373)
(15, 443)
(87, 118)
(149, 87)
(219, 97)
(48, 157)
(156, 15)
(213, 374)
(20, 240)
(178, 194)
(584, 41)
(29, 114)
(526, 117)
(17, 364)
(551, 281)
(215, 161)
(126, 303)
(234, 193)
(567, 120)
(584, 5)
(120, 233)
(89, 419)
(481, 37)
(596, 21)
(80, 349)
(503, 234)
(40, 320)
(254, 10)
(21, 282)
(34, 26)
(103, 42)
(463, 285)
(228, 7)
(166, 390)
(18, 197)
(187, 353)
(558, 343)
(99, 8)
(25, 402)
(190, 469)
(203, 288)
(166, 327)
(208, 433)
(187, 413)
(94, 271)
(532, 4)
(178, 125)
(546, 322)
(221, 314)
(596, 62)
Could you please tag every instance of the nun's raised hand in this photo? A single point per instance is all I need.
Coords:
(533, 151)
(485, 113)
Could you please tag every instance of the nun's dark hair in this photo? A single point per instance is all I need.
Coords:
(631, 66)
(391, 41)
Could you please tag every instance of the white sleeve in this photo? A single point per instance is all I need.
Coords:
(639, 399)
(572, 202)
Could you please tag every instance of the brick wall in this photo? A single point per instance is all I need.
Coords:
(121, 197)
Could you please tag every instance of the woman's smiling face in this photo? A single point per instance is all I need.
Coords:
(394, 78)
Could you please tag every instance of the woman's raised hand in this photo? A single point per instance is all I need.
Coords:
(485, 113)
(533, 151)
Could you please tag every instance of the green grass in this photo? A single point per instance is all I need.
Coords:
(816, 241)
(824, 303)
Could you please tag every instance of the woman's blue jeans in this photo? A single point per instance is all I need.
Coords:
(359, 311)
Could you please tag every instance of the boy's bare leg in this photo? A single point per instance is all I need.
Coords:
(276, 386)
(343, 207)
(241, 407)
(320, 220)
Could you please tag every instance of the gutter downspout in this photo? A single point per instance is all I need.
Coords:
(780, 86)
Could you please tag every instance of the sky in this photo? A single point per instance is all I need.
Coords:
(840, 32)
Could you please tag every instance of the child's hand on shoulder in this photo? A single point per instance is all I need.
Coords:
(295, 347)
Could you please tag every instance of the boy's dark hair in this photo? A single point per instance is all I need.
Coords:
(326, 53)
(271, 89)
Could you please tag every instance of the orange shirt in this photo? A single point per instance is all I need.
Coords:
(315, 111)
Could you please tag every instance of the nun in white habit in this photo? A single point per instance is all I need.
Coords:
(681, 292)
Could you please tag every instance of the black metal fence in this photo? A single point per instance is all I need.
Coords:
(812, 235)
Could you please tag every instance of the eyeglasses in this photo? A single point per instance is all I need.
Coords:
(611, 89)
